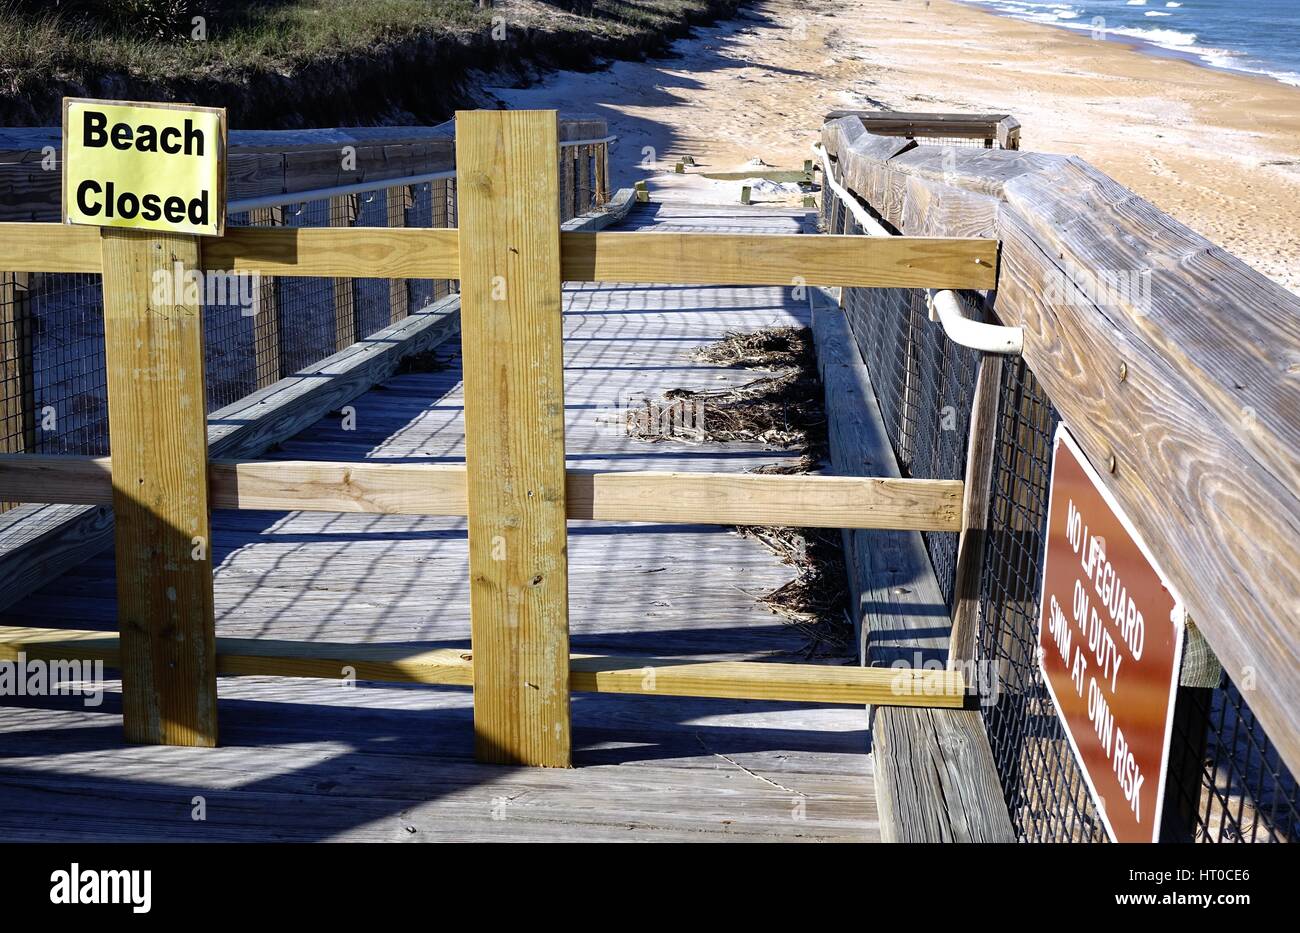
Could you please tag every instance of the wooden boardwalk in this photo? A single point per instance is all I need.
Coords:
(316, 760)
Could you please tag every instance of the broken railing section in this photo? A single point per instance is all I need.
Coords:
(510, 257)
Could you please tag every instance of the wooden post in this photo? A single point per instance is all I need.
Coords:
(602, 174)
(975, 508)
(17, 381)
(159, 439)
(585, 180)
(343, 212)
(567, 194)
(438, 195)
(17, 402)
(398, 296)
(514, 433)
(266, 320)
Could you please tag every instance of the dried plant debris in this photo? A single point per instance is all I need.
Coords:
(816, 601)
(774, 348)
(784, 410)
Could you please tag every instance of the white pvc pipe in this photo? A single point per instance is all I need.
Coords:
(322, 194)
(587, 142)
(987, 338)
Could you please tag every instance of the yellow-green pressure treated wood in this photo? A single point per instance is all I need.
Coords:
(434, 489)
(157, 416)
(508, 190)
(737, 680)
(668, 258)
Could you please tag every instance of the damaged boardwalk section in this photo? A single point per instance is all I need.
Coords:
(321, 759)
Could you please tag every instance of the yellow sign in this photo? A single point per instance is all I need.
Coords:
(149, 166)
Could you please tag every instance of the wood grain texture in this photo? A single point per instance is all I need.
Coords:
(766, 259)
(18, 416)
(602, 174)
(38, 542)
(355, 252)
(62, 536)
(49, 247)
(898, 609)
(667, 677)
(259, 162)
(508, 189)
(303, 759)
(935, 778)
(623, 496)
(1204, 424)
(158, 432)
(694, 258)
(899, 123)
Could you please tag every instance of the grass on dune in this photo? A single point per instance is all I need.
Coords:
(40, 41)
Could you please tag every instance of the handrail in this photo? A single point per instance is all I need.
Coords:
(961, 330)
(379, 184)
(322, 194)
(564, 143)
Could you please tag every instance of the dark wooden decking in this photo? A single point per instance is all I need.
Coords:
(315, 760)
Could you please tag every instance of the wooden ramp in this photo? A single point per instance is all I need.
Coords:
(317, 760)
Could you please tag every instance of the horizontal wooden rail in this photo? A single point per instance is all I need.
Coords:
(732, 680)
(777, 259)
(426, 489)
(328, 252)
(679, 258)
(340, 252)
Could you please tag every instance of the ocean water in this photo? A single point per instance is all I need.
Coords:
(1259, 37)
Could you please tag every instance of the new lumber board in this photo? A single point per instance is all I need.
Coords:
(388, 663)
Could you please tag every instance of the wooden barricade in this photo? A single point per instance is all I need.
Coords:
(511, 258)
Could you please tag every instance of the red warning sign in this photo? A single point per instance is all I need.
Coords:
(1110, 642)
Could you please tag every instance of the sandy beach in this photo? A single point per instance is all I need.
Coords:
(1220, 151)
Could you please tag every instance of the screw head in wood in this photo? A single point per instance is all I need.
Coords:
(1123, 371)
(1111, 464)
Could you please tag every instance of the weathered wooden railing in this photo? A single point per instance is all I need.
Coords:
(989, 130)
(511, 257)
(1174, 365)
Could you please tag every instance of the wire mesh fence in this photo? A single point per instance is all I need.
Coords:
(52, 345)
(53, 380)
(1226, 781)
